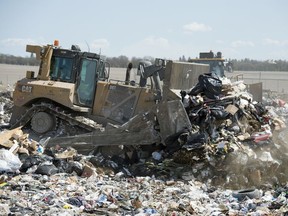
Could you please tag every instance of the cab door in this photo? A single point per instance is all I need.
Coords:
(87, 81)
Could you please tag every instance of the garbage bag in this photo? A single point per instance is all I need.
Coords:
(172, 141)
(219, 113)
(209, 85)
(75, 201)
(75, 166)
(196, 141)
(62, 165)
(9, 162)
(4, 166)
(197, 89)
(46, 169)
(197, 138)
(261, 110)
(30, 161)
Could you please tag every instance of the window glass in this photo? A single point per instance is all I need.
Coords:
(87, 83)
(61, 68)
(101, 72)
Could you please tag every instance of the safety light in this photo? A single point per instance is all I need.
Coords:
(56, 43)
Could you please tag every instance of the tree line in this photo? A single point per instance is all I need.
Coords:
(123, 61)
(256, 65)
(17, 60)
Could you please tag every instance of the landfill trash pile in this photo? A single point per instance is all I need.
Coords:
(92, 189)
(234, 143)
(62, 182)
(6, 105)
(234, 140)
(102, 194)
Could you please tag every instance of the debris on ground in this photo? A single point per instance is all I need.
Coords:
(232, 161)
(232, 141)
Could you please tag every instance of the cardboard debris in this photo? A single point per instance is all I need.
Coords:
(18, 142)
(231, 109)
(67, 154)
(5, 136)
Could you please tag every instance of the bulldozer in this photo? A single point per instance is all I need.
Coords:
(218, 65)
(72, 88)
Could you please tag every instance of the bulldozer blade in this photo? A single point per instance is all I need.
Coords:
(172, 118)
(138, 131)
(144, 137)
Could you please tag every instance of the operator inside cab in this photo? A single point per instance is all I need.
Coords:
(61, 69)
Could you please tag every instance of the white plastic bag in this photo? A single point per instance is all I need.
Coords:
(2, 108)
(8, 161)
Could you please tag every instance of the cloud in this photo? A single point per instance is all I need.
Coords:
(149, 46)
(100, 44)
(154, 41)
(240, 43)
(17, 42)
(197, 27)
(269, 41)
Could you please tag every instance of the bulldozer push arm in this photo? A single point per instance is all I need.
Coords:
(164, 119)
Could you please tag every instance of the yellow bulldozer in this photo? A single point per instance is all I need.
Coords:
(72, 88)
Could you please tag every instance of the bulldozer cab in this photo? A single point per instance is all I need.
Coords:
(83, 69)
(216, 62)
(66, 76)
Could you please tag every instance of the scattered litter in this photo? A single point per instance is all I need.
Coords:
(234, 143)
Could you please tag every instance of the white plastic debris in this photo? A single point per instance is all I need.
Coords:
(156, 155)
(8, 161)
(186, 101)
(266, 157)
(2, 108)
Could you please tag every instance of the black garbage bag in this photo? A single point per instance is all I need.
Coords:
(32, 160)
(196, 141)
(197, 89)
(209, 85)
(172, 141)
(219, 113)
(46, 169)
(75, 201)
(62, 165)
(260, 108)
(97, 160)
(75, 166)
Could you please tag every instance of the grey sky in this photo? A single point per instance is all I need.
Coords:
(255, 29)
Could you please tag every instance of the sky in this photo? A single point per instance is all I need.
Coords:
(254, 29)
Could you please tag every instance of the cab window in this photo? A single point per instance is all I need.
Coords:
(87, 82)
(61, 69)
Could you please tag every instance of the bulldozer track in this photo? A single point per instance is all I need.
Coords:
(58, 112)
